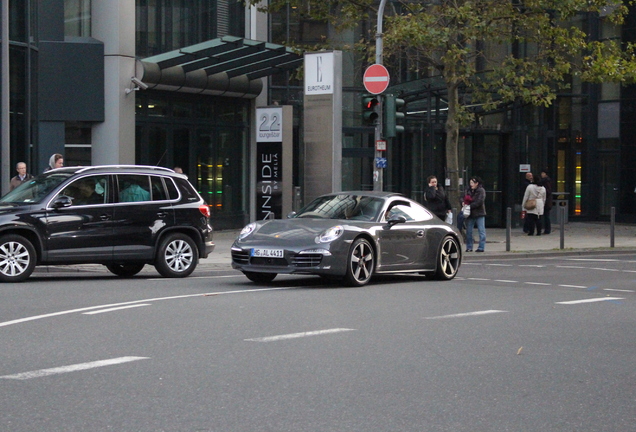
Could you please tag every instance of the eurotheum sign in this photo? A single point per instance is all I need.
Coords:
(319, 72)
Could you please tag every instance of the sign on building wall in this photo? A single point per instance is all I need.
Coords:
(319, 73)
(269, 163)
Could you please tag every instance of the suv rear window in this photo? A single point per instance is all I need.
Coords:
(133, 188)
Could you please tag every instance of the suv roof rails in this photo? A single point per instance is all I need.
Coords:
(147, 167)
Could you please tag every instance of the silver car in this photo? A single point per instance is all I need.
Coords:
(352, 236)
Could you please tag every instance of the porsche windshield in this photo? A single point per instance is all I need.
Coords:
(35, 190)
(343, 207)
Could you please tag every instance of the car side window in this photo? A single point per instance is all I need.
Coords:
(90, 190)
(173, 193)
(158, 191)
(133, 188)
(412, 213)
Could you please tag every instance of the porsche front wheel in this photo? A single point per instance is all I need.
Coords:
(448, 259)
(360, 263)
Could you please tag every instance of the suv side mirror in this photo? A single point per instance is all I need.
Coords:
(291, 215)
(62, 201)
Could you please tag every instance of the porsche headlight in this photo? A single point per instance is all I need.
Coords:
(330, 234)
(247, 230)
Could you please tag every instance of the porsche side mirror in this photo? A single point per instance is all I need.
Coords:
(396, 219)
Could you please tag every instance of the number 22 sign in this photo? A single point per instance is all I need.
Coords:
(270, 124)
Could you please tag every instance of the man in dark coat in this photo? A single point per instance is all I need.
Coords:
(22, 177)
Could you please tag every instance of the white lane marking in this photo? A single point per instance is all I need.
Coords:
(593, 300)
(500, 265)
(66, 312)
(618, 290)
(116, 309)
(538, 283)
(531, 265)
(299, 335)
(603, 269)
(478, 279)
(573, 286)
(71, 368)
(506, 281)
(468, 314)
(571, 267)
(592, 259)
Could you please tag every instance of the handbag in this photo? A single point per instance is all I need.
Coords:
(449, 218)
(466, 210)
(531, 204)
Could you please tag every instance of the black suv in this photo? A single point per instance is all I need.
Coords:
(121, 216)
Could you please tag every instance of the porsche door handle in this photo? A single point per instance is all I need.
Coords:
(420, 233)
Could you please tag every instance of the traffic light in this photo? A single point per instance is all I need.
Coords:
(393, 107)
(370, 108)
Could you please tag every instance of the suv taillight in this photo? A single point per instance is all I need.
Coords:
(205, 210)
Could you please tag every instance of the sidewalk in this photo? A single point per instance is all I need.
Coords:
(580, 238)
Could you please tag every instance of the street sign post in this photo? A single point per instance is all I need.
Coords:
(376, 79)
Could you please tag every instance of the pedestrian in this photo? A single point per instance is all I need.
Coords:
(22, 177)
(55, 161)
(534, 210)
(527, 181)
(477, 215)
(546, 182)
(436, 200)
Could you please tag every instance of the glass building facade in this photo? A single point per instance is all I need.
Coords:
(587, 138)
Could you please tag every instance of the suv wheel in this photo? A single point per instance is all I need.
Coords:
(17, 258)
(125, 270)
(177, 256)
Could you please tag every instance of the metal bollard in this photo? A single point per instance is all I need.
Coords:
(612, 225)
(562, 211)
(508, 227)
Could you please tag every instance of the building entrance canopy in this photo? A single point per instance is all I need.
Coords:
(228, 66)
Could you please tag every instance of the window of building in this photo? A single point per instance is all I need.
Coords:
(77, 18)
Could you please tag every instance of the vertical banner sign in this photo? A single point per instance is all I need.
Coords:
(269, 163)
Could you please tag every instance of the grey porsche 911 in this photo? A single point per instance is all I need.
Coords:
(351, 236)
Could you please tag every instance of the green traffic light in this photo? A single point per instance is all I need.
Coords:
(392, 107)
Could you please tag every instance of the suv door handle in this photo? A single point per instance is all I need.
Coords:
(162, 215)
(105, 217)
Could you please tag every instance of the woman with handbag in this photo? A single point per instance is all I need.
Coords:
(476, 197)
(534, 204)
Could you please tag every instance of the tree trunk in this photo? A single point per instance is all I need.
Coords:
(452, 143)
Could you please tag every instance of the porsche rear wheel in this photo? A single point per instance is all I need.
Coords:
(448, 259)
(260, 277)
(360, 264)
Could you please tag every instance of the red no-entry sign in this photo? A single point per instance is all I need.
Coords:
(376, 79)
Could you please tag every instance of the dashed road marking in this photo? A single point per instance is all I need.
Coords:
(299, 335)
(71, 368)
(467, 314)
(592, 300)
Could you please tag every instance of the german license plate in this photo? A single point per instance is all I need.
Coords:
(267, 253)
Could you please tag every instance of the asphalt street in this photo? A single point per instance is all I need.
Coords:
(526, 343)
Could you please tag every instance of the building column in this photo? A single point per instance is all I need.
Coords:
(113, 23)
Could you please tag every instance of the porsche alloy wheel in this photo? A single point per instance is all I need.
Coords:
(360, 264)
(448, 259)
(17, 258)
